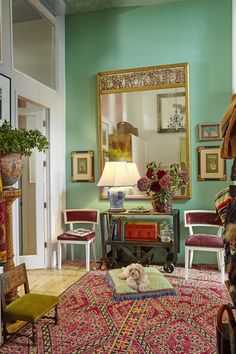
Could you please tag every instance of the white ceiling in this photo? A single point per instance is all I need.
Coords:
(64, 7)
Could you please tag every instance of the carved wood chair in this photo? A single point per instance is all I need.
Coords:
(29, 307)
(73, 217)
(201, 240)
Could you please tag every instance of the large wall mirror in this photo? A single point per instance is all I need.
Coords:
(143, 117)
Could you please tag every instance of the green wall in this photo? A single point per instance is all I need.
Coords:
(194, 31)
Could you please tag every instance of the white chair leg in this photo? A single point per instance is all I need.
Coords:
(59, 255)
(191, 259)
(94, 249)
(186, 262)
(64, 251)
(219, 260)
(72, 251)
(222, 258)
(87, 254)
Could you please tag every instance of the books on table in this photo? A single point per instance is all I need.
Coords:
(79, 232)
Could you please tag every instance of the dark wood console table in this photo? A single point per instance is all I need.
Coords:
(124, 245)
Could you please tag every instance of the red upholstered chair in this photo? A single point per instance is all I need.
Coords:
(88, 218)
(203, 241)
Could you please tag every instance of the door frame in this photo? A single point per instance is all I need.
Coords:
(46, 191)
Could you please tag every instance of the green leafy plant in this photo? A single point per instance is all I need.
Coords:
(21, 140)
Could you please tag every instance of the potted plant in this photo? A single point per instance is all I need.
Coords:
(15, 143)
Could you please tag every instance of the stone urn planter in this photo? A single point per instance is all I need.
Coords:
(15, 143)
(11, 165)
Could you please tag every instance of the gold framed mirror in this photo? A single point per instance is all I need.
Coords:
(143, 117)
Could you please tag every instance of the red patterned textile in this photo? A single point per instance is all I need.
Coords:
(204, 240)
(91, 322)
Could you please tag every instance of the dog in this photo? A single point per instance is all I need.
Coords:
(135, 276)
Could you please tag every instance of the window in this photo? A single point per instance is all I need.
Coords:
(33, 43)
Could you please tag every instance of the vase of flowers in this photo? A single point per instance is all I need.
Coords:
(161, 183)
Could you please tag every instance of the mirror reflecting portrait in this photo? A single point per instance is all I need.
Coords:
(144, 117)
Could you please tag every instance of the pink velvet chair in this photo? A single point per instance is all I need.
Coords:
(202, 240)
(89, 219)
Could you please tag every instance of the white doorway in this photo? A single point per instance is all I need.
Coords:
(33, 216)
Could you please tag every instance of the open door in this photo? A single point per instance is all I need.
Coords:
(33, 212)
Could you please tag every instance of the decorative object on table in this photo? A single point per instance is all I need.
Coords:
(15, 143)
(117, 175)
(5, 98)
(139, 210)
(211, 166)
(166, 232)
(210, 131)
(82, 166)
(161, 183)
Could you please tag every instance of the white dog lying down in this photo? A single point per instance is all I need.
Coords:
(135, 276)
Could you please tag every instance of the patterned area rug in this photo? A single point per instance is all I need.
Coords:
(91, 322)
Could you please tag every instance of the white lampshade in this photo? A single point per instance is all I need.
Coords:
(133, 173)
(115, 174)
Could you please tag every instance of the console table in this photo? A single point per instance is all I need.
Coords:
(124, 245)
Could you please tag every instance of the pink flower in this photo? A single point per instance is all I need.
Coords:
(166, 181)
(184, 176)
(143, 184)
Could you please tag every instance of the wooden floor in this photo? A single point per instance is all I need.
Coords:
(54, 281)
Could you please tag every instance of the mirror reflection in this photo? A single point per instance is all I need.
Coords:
(143, 124)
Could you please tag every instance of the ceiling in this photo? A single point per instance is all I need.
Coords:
(65, 7)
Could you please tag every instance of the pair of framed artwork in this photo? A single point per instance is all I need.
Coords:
(210, 165)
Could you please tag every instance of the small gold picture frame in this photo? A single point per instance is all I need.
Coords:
(82, 163)
(211, 166)
(210, 131)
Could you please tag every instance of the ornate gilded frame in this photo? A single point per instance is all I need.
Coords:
(142, 79)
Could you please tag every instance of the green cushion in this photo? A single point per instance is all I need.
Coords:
(30, 307)
(159, 285)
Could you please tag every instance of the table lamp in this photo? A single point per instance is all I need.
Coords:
(116, 175)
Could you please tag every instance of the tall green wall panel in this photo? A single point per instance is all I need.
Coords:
(194, 31)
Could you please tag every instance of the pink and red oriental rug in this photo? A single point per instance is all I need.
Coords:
(91, 322)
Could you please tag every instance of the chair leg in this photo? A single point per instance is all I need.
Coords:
(186, 262)
(59, 255)
(219, 260)
(191, 259)
(72, 250)
(87, 253)
(94, 249)
(4, 331)
(56, 315)
(33, 333)
(222, 263)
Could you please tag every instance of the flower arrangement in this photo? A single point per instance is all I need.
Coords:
(161, 183)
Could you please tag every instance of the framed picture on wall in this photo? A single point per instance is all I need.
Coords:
(210, 165)
(82, 163)
(171, 112)
(5, 98)
(211, 131)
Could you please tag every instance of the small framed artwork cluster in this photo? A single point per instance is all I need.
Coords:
(211, 166)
